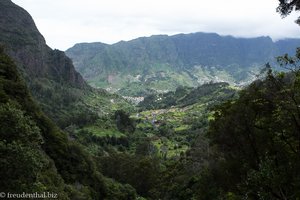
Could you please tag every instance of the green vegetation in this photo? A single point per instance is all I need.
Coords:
(182, 96)
(212, 141)
(36, 156)
(53, 82)
(263, 125)
(174, 119)
(162, 63)
(190, 145)
(67, 105)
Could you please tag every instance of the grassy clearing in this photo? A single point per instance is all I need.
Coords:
(101, 132)
(172, 148)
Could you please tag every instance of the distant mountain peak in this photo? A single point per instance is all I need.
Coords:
(162, 63)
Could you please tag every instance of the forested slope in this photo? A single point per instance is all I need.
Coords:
(36, 156)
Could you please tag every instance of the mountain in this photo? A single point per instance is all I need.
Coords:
(163, 63)
(214, 141)
(52, 79)
(36, 156)
(27, 46)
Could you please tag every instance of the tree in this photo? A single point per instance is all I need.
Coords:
(141, 172)
(287, 6)
(123, 122)
(258, 138)
(146, 148)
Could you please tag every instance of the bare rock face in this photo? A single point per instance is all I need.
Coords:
(49, 74)
(24, 43)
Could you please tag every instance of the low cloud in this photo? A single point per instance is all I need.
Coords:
(66, 22)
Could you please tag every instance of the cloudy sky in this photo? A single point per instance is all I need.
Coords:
(66, 22)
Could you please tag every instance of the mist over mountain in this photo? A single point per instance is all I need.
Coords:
(165, 62)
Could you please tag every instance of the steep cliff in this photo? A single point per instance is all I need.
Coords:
(50, 75)
(27, 46)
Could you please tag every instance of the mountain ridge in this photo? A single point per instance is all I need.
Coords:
(182, 60)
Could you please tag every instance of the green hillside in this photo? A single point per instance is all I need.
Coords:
(162, 63)
(173, 120)
(196, 135)
(36, 156)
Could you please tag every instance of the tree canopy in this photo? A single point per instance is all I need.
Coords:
(287, 6)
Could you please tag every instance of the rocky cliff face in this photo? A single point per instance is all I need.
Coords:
(50, 75)
(24, 43)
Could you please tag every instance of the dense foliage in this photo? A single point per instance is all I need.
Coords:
(36, 156)
(287, 6)
(257, 137)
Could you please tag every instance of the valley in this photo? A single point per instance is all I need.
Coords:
(189, 116)
(169, 121)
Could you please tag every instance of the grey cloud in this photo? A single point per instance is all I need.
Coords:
(110, 21)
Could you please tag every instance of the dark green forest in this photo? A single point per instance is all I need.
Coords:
(213, 141)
